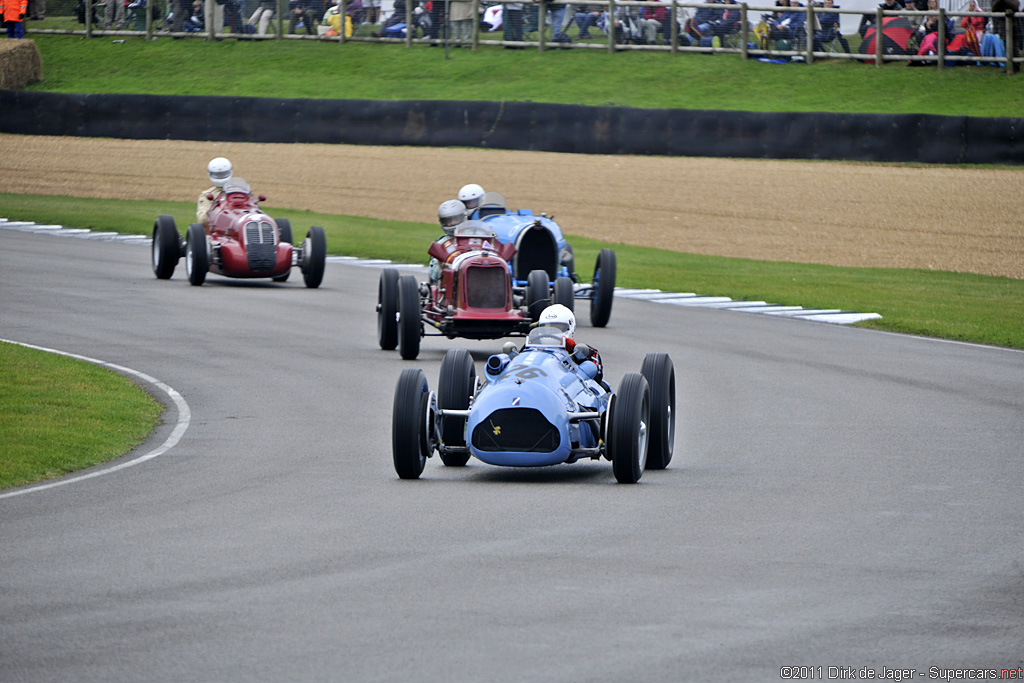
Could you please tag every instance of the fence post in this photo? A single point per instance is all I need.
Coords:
(809, 30)
(209, 7)
(88, 18)
(611, 26)
(744, 31)
(673, 33)
(475, 36)
(1009, 42)
(542, 21)
(282, 5)
(149, 20)
(878, 36)
(343, 13)
(942, 38)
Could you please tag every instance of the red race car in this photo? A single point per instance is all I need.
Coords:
(473, 298)
(240, 241)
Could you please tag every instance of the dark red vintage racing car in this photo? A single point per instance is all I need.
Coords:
(241, 241)
(473, 298)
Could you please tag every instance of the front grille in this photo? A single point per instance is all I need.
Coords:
(516, 430)
(259, 245)
(485, 286)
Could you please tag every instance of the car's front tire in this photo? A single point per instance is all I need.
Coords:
(166, 251)
(410, 324)
(284, 234)
(314, 257)
(197, 255)
(660, 374)
(455, 386)
(563, 293)
(627, 428)
(410, 437)
(604, 288)
(538, 293)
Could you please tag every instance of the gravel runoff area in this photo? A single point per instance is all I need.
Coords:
(844, 214)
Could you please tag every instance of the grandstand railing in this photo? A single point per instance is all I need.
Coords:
(741, 43)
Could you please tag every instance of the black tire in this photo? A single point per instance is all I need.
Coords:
(455, 385)
(197, 258)
(660, 374)
(538, 293)
(604, 288)
(166, 250)
(410, 324)
(387, 309)
(627, 428)
(564, 293)
(314, 257)
(409, 425)
(284, 234)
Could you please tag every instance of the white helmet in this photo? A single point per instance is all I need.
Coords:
(219, 170)
(470, 196)
(560, 317)
(450, 214)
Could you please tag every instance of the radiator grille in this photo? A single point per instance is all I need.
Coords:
(259, 245)
(516, 430)
(485, 287)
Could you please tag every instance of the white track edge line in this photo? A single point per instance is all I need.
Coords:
(184, 419)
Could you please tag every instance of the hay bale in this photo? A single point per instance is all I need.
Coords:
(20, 64)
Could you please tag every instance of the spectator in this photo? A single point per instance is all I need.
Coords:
(13, 12)
(304, 14)
(830, 29)
(512, 23)
(585, 18)
(435, 9)
(999, 27)
(788, 25)
(652, 21)
(114, 12)
(868, 20)
(462, 20)
(37, 10)
(397, 17)
(371, 11)
(974, 24)
(700, 25)
(262, 16)
(931, 22)
(215, 17)
(561, 17)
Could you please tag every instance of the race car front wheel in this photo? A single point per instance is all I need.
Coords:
(627, 428)
(410, 324)
(604, 288)
(455, 386)
(197, 258)
(166, 247)
(410, 438)
(284, 234)
(387, 309)
(314, 257)
(661, 379)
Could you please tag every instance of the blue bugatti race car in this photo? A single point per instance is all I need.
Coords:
(541, 249)
(535, 407)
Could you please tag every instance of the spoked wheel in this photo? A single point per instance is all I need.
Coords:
(627, 428)
(411, 439)
(197, 258)
(564, 293)
(166, 247)
(538, 293)
(284, 234)
(410, 324)
(387, 309)
(661, 380)
(314, 256)
(455, 387)
(604, 288)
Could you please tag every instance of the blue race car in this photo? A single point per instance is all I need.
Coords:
(533, 408)
(544, 265)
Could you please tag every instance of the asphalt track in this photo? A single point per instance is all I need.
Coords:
(839, 497)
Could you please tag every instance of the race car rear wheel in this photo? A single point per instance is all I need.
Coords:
(166, 247)
(661, 380)
(197, 258)
(455, 386)
(410, 325)
(314, 256)
(627, 428)
(387, 309)
(410, 436)
(284, 234)
(538, 293)
(564, 293)
(604, 288)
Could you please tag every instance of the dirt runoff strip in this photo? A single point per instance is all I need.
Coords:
(844, 214)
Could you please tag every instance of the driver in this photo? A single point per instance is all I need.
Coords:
(561, 318)
(219, 170)
(470, 195)
(450, 214)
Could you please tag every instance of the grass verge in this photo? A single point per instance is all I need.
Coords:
(962, 306)
(96, 415)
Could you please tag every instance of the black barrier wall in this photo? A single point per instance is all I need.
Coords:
(521, 126)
